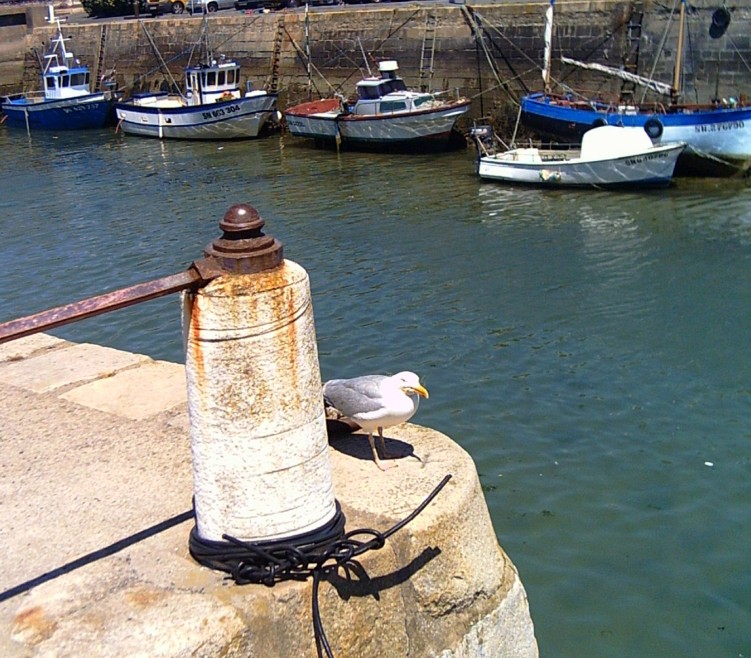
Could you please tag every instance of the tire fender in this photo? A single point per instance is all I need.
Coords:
(653, 127)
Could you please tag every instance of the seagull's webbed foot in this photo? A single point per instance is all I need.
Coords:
(378, 462)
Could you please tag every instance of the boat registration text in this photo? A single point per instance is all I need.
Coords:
(221, 111)
(717, 127)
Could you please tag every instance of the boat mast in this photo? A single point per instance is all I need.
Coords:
(676, 91)
(548, 46)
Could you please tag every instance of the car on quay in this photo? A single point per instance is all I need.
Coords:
(210, 6)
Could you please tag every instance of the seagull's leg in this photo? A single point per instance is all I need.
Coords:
(383, 444)
(375, 453)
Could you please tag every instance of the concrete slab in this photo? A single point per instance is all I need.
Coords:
(68, 365)
(135, 393)
(23, 348)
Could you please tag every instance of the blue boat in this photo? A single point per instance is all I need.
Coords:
(65, 101)
(717, 135)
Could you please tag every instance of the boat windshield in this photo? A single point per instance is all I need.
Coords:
(220, 78)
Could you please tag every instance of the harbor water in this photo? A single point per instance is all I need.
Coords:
(591, 350)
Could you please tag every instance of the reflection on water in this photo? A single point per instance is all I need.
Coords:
(589, 349)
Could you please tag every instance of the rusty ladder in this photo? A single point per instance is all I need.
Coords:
(428, 52)
(100, 58)
(272, 84)
(631, 56)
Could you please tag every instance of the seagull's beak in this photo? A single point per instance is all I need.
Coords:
(420, 390)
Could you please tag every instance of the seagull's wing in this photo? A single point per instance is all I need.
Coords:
(355, 396)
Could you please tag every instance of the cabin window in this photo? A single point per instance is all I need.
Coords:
(51, 82)
(65, 81)
(367, 93)
(221, 78)
(78, 79)
(422, 100)
(210, 79)
(386, 88)
(231, 77)
(393, 106)
(398, 85)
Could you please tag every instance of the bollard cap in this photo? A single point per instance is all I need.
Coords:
(243, 247)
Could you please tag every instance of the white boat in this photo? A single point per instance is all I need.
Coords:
(212, 107)
(66, 101)
(610, 156)
(384, 114)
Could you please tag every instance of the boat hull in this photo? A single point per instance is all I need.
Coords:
(242, 118)
(315, 120)
(718, 139)
(652, 168)
(81, 112)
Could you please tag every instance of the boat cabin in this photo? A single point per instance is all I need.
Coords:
(61, 82)
(215, 82)
(387, 94)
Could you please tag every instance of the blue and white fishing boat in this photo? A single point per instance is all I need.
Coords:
(717, 135)
(66, 101)
(212, 107)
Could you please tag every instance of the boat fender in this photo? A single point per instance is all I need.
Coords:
(599, 122)
(653, 127)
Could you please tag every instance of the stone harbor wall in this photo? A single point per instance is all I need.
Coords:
(595, 31)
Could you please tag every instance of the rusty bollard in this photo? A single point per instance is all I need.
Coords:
(257, 426)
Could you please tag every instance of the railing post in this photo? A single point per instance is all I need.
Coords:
(258, 431)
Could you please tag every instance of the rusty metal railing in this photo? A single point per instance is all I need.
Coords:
(243, 248)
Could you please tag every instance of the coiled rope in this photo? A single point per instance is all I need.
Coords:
(315, 554)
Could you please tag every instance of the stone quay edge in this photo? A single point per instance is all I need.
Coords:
(96, 489)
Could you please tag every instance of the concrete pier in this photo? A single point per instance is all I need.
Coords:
(96, 507)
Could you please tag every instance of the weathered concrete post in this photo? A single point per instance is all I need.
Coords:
(258, 432)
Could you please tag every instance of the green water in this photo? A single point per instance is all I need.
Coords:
(589, 349)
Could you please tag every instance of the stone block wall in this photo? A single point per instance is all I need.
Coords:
(594, 31)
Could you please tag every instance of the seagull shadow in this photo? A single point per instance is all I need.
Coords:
(357, 445)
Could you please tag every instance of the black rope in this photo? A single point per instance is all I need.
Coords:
(316, 553)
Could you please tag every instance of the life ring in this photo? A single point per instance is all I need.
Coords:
(599, 122)
(653, 127)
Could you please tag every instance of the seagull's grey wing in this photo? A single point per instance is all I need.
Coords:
(355, 396)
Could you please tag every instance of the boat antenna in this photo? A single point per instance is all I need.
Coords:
(548, 46)
(676, 91)
(362, 50)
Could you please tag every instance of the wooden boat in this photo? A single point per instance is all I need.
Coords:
(65, 101)
(718, 135)
(609, 157)
(212, 107)
(384, 114)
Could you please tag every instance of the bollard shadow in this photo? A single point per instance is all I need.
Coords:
(357, 446)
(98, 554)
(361, 584)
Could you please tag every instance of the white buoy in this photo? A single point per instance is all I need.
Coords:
(257, 424)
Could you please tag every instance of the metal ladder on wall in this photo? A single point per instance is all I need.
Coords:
(428, 52)
(100, 59)
(631, 57)
(272, 83)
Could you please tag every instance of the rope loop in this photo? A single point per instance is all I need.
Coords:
(315, 554)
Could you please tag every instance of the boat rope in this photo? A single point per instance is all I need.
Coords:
(738, 52)
(660, 48)
(319, 553)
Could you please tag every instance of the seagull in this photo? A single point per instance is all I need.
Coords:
(375, 402)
